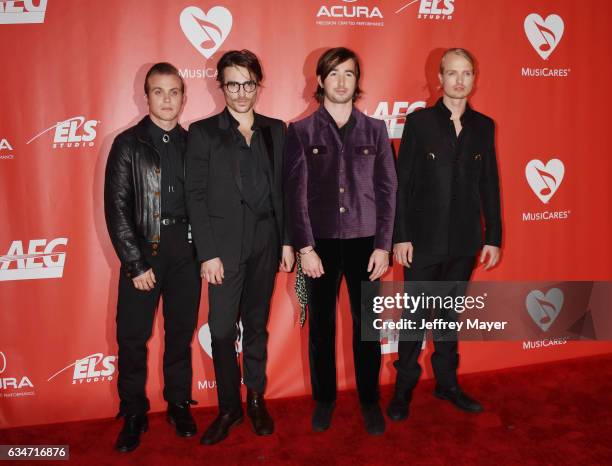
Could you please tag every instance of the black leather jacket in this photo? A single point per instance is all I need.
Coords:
(132, 203)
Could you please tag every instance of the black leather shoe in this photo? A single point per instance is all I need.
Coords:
(321, 417)
(220, 427)
(373, 418)
(129, 437)
(260, 418)
(398, 409)
(459, 399)
(180, 417)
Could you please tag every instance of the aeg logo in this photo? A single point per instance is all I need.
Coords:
(41, 260)
(22, 11)
(433, 9)
(73, 132)
(93, 368)
(395, 119)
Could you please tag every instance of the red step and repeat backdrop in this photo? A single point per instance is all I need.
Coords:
(72, 80)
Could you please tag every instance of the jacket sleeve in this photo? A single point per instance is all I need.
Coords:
(406, 178)
(489, 192)
(119, 209)
(385, 190)
(286, 236)
(197, 162)
(296, 191)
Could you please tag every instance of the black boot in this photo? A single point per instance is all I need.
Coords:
(260, 418)
(129, 437)
(399, 407)
(373, 418)
(321, 417)
(220, 427)
(459, 399)
(180, 417)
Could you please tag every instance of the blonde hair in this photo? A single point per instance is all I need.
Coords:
(457, 51)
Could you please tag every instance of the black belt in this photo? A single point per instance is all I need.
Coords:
(165, 221)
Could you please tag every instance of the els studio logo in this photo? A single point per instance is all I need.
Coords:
(93, 368)
(544, 308)
(22, 11)
(544, 181)
(38, 263)
(73, 132)
(432, 9)
(206, 31)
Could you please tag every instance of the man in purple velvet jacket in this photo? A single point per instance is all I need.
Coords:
(340, 187)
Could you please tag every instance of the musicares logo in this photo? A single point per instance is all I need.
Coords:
(544, 180)
(544, 308)
(206, 31)
(22, 11)
(544, 34)
(205, 339)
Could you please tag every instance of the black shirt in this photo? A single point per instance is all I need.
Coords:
(255, 170)
(172, 158)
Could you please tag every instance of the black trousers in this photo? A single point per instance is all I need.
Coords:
(245, 293)
(445, 358)
(178, 281)
(348, 257)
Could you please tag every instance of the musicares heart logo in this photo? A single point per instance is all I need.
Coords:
(544, 34)
(544, 308)
(206, 31)
(205, 339)
(544, 180)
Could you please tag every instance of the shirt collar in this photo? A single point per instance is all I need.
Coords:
(156, 133)
(445, 112)
(329, 119)
(257, 123)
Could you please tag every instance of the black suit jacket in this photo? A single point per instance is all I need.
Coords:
(213, 185)
(443, 192)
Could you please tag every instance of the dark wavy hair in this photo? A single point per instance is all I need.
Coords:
(244, 58)
(328, 61)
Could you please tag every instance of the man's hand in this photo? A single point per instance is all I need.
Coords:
(493, 253)
(287, 260)
(403, 253)
(145, 281)
(378, 264)
(311, 262)
(212, 271)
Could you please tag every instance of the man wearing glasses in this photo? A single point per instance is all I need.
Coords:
(235, 204)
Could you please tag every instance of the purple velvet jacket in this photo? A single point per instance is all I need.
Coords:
(335, 189)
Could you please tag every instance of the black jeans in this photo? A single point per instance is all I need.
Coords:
(445, 358)
(178, 282)
(244, 293)
(348, 257)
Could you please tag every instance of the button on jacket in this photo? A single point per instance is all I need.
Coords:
(339, 189)
(446, 182)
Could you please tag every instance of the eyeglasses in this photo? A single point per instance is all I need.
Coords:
(234, 87)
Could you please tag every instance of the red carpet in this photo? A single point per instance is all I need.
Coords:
(559, 413)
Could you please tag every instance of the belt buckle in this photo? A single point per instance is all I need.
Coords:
(165, 221)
